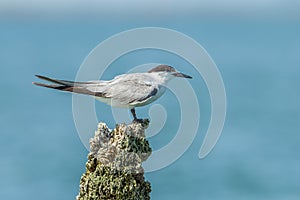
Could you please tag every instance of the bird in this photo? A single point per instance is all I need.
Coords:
(124, 91)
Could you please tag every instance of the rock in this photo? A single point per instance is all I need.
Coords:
(114, 168)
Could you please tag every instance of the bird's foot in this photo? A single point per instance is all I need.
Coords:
(138, 121)
(143, 122)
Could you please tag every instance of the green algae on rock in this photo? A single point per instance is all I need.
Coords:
(114, 167)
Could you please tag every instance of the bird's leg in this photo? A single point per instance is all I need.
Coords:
(133, 113)
(135, 119)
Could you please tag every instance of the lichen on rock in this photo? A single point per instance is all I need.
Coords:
(114, 167)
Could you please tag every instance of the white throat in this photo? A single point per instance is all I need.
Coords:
(162, 77)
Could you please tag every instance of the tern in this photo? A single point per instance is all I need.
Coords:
(125, 91)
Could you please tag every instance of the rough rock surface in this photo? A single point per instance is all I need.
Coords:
(113, 169)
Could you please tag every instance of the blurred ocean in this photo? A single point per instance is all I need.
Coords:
(257, 156)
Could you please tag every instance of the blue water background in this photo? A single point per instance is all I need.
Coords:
(257, 156)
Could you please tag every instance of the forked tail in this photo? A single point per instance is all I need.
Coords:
(68, 86)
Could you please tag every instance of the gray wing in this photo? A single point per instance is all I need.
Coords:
(127, 89)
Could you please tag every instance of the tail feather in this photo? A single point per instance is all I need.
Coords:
(64, 82)
(58, 87)
(60, 82)
(68, 86)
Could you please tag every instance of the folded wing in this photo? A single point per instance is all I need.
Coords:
(127, 89)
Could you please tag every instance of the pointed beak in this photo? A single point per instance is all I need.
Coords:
(178, 74)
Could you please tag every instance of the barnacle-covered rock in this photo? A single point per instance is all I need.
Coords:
(114, 167)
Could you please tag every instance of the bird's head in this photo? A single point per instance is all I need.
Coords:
(167, 72)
